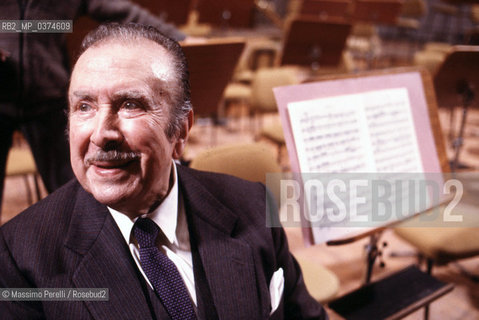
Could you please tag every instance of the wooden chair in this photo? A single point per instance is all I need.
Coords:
(326, 9)
(264, 80)
(366, 16)
(322, 283)
(249, 161)
(263, 102)
(20, 162)
(440, 242)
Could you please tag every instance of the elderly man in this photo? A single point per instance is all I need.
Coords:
(34, 74)
(167, 242)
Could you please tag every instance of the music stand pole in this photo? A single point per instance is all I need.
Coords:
(467, 92)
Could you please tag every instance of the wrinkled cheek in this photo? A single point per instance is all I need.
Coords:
(78, 149)
(152, 173)
(79, 139)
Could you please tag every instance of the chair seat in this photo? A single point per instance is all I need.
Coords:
(274, 132)
(237, 92)
(442, 47)
(442, 244)
(408, 23)
(322, 283)
(439, 240)
(20, 162)
(244, 76)
(431, 60)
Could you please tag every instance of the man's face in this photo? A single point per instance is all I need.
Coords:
(120, 100)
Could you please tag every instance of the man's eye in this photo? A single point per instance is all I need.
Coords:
(84, 107)
(130, 105)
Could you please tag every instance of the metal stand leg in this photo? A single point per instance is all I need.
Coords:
(37, 187)
(466, 90)
(429, 264)
(29, 193)
(372, 252)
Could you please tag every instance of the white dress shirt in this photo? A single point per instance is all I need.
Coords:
(171, 218)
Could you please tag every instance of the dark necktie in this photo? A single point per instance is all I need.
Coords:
(162, 272)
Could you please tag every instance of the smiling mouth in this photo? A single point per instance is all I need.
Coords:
(111, 165)
(112, 170)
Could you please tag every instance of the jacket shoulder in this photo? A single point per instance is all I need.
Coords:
(50, 211)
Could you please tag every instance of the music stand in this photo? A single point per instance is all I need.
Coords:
(418, 84)
(376, 11)
(312, 42)
(325, 9)
(456, 82)
(226, 13)
(211, 65)
(175, 12)
(363, 303)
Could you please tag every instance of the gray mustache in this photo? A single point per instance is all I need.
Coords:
(113, 155)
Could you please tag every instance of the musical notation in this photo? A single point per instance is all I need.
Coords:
(365, 132)
(358, 133)
(391, 128)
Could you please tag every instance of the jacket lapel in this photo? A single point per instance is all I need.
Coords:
(227, 262)
(106, 263)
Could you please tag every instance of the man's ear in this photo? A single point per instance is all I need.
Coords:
(182, 138)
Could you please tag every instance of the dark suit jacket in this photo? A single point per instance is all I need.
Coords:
(69, 240)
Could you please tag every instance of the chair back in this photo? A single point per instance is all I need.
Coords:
(250, 161)
(264, 80)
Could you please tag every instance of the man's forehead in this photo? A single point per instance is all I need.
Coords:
(138, 53)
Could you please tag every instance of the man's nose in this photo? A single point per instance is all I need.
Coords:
(107, 130)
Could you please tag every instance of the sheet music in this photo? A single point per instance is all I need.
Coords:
(386, 141)
(330, 134)
(370, 132)
(392, 132)
(365, 132)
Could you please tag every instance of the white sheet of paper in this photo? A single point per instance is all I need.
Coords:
(356, 133)
(366, 132)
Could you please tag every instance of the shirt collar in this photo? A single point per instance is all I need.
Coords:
(165, 215)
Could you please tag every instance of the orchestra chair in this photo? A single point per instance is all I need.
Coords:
(252, 161)
(264, 80)
(411, 13)
(366, 16)
(432, 56)
(322, 283)
(409, 24)
(263, 102)
(249, 161)
(20, 162)
(439, 241)
(274, 133)
(258, 54)
(326, 9)
(440, 244)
